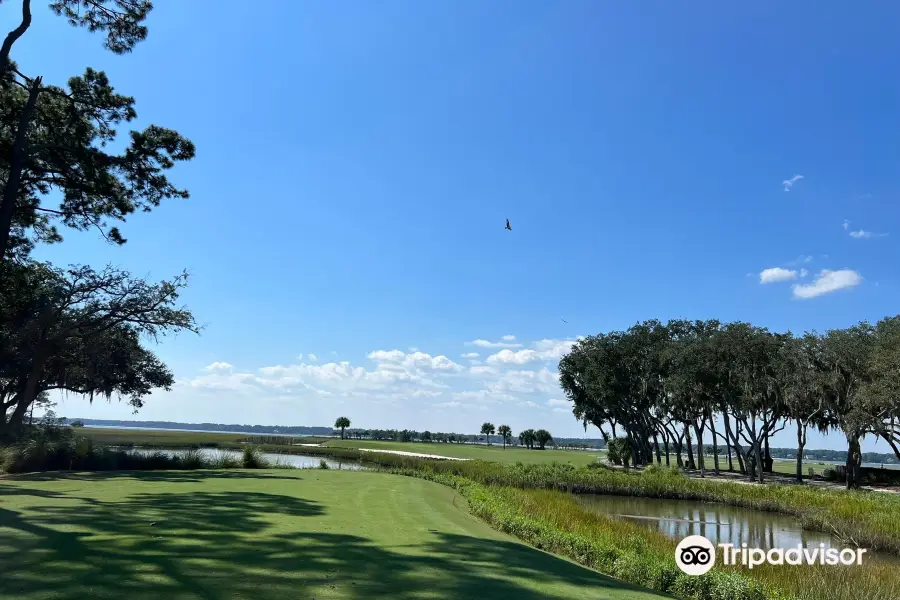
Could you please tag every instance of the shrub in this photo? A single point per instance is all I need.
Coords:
(323, 464)
(252, 458)
(618, 451)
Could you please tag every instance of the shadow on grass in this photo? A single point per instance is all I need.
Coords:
(220, 545)
(187, 475)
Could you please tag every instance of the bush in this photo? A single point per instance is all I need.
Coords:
(618, 451)
(252, 458)
(323, 464)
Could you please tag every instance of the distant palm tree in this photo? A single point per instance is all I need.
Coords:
(506, 433)
(342, 423)
(542, 436)
(487, 429)
(526, 438)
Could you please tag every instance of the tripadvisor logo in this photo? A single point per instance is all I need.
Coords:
(695, 555)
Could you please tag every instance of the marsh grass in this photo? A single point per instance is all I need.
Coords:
(859, 518)
(555, 521)
(81, 454)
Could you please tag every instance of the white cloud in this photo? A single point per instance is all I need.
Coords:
(519, 357)
(508, 338)
(387, 388)
(470, 355)
(389, 359)
(542, 350)
(846, 224)
(489, 344)
(827, 281)
(803, 272)
(313, 357)
(776, 274)
(862, 234)
(789, 183)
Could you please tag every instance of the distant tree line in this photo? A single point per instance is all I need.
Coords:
(278, 429)
(665, 386)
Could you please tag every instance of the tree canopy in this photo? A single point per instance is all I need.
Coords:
(664, 384)
(55, 140)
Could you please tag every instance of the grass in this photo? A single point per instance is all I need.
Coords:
(494, 452)
(323, 534)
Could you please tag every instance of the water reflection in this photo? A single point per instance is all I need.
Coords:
(718, 523)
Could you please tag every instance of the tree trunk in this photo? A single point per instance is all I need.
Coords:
(712, 427)
(666, 447)
(854, 461)
(728, 435)
(759, 464)
(18, 155)
(801, 442)
(678, 441)
(701, 459)
(689, 444)
(768, 457)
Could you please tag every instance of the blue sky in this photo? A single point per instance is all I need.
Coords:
(356, 162)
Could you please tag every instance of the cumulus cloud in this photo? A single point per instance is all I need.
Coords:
(508, 338)
(776, 274)
(470, 355)
(827, 281)
(218, 367)
(488, 344)
(313, 357)
(789, 183)
(803, 272)
(414, 360)
(542, 350)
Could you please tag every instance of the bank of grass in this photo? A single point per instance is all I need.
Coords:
(268, 535)
(555, 521)
(865, 519)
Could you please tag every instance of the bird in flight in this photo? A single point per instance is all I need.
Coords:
(507, 225)
(563, 320)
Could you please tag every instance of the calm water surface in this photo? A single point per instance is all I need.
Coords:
(302, 461)
(718, 523)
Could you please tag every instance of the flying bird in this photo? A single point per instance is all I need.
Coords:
(563, 320)
(507, 225)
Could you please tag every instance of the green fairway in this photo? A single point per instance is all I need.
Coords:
(267, 534)
(494, 452)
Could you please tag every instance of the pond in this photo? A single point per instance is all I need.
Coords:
(301, 461)
(718, 523)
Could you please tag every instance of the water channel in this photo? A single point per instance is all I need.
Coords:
(718, 523)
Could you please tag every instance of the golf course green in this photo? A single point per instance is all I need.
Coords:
(310, 534)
